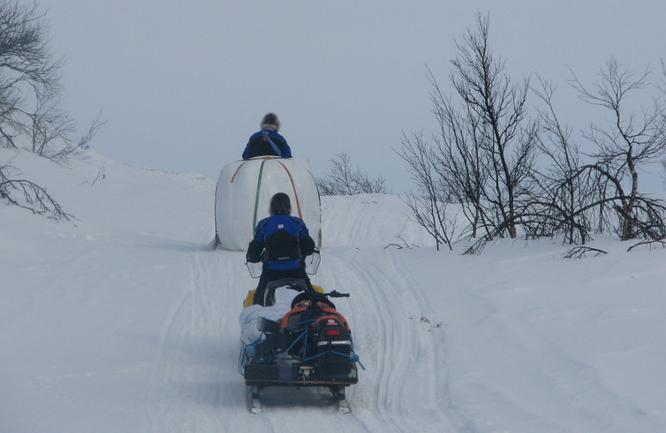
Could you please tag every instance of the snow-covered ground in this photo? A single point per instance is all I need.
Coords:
(124, 321)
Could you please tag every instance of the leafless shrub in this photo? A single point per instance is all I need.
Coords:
(101, 174)
(458, 157)
(483, 154)
(31, 116)
(69, 146)
(581, 251)
(401, 244)
(632, 140)
(651, 244)
(429, 204)
(509, 136)
(28, 195)
(30, 90)
(478, 246)
(47, 122)
(560, 193)
(575, 197)
(662, 88)
(51, 129)
(344, 179)
(26, 66)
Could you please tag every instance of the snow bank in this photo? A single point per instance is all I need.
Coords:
(243, 194)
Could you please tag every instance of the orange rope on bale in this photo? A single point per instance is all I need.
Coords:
(293, 186)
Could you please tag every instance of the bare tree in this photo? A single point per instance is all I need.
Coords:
(344, 179)
(561, 192)
(30, 90)
(47, 122)
(629, 142)
(458, 157)
(574, 196)
(483, 154)
(662, 87)
(30, 113)
(52, 135)
(26, 66)
(429, 204)
(510, 137)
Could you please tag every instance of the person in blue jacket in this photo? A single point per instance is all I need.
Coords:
(281, 242)
(267, 141)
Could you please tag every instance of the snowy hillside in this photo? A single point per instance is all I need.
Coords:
(124, 321)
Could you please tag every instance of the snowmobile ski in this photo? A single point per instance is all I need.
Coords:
(340, 399)
(343, 407)
(252, 399)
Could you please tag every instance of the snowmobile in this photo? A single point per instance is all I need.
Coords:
(310, 345)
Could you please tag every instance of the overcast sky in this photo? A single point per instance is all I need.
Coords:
(183, 84)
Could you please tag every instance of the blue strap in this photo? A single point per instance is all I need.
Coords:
(275, 147)
(293, 343)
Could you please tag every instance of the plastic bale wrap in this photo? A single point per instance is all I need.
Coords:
(244, 191)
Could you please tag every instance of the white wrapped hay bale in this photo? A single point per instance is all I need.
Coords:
(244, 191)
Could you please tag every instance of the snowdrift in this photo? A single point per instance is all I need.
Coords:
(243, 194)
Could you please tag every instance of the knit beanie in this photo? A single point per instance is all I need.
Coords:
(280, 204)
(270, 121)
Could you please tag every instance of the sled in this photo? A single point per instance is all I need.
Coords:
(310, 346)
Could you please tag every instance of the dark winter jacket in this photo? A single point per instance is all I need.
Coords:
(286, 241)
(267, 142)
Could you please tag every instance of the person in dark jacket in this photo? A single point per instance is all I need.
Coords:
(267, 141)
(282, 242)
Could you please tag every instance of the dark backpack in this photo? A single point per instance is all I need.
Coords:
(282, 239)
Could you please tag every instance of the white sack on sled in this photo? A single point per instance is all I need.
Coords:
(249, 317)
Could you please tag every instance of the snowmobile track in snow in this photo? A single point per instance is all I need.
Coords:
(391, 313)
(197, 363)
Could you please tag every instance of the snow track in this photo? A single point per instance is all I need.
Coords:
(196, 385)
(400, 350)
(126, 322)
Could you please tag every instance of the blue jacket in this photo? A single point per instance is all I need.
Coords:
(286, 241)
(266, 142)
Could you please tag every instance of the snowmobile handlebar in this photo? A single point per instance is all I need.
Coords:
(336, 294)
(316, 297)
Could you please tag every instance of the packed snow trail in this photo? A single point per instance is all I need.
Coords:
(196, 371)
(124, 321)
